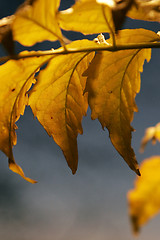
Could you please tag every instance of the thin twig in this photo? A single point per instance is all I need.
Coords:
(97, 48)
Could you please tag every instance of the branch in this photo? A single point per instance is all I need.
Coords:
(75, 50)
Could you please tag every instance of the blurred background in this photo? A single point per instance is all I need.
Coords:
(91, 204)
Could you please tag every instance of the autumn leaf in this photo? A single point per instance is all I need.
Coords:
(145, 10)
(87, 17)
(58, 102)
(112, 84)
(151, 133)
(144, 199)
(35, 21)
(16, 79)
(59, 97)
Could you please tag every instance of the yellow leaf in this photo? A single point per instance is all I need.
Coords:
(17, 169)
(144, 199)
(151, 133)
(36, 22)
(57, 100)
(112, 84)
(145, 10)
(86, 17)
(16, 79)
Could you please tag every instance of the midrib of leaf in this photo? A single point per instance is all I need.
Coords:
(11, 158)
(45, 28)
(74, 69)
(121, 86)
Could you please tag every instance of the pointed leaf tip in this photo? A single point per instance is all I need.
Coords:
(135, 226)
(17, 169)
(138, 172)
(74, 171)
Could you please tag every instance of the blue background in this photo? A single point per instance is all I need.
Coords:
(91, 204)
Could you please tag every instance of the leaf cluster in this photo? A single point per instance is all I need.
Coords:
(60, 84)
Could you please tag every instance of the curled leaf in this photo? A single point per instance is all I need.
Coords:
(17, 169)
(16, 79)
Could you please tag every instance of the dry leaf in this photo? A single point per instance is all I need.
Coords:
(112, 84)
(16, 79)
(58, 102)
(58, 99)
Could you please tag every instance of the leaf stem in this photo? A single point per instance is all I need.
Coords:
(89, 49)
(112, 34)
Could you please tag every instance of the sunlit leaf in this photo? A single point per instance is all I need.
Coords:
(57, 100)
(16, 79)
(144, 199)
(113, 82)
(151, 133)
(87, 17)
(145, 10)
(36, 21)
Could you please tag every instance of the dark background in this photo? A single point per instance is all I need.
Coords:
(91, 204)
